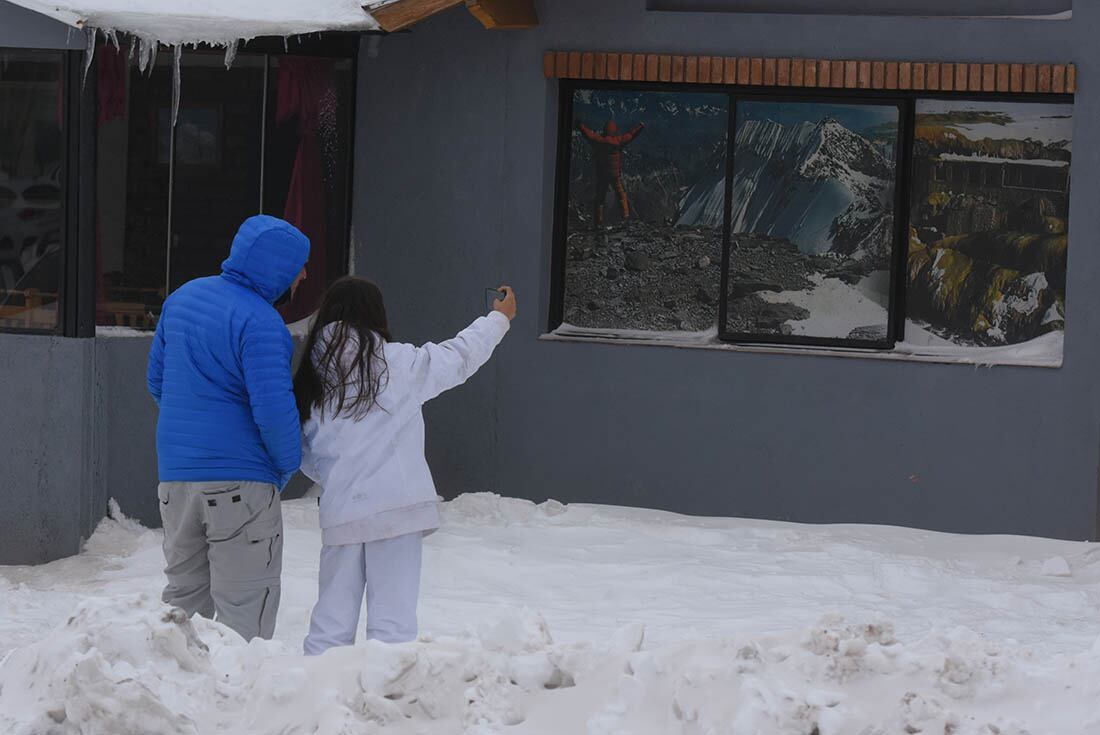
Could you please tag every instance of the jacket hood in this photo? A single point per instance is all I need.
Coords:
(267, 255)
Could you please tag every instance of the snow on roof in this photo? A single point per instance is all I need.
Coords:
(210, 21)
(993, 159)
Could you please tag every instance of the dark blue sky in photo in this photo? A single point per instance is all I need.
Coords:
(698, 112)
(685, 128)
(858, 118)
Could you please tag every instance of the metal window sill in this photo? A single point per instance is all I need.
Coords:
(905, 353)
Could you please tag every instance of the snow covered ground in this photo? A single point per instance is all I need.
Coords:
(836, 308)
(585, 619)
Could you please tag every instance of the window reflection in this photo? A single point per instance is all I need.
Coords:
(31, 191)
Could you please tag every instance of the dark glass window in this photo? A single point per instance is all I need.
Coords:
(132, 186)
(32, 197)
(216, 177)
(271, 134)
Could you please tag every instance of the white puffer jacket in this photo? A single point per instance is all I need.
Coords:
(374, 477)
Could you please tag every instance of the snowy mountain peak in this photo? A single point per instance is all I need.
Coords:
(837, 145)
(820, 185)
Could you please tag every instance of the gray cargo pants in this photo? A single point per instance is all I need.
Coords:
(223, 545)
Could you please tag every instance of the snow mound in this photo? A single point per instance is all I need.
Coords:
(493, 509)
(130, 666)
(117, 666)
(1057, 566)
(133, 666)
(841, 678)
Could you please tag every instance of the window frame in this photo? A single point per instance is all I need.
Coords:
(895, 316)
(73, 183)
(906, 100)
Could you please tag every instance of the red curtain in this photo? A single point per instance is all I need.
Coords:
(303, 85)
(110, 84)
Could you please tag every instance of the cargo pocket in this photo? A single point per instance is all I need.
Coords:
(264, 537)
(224, 512)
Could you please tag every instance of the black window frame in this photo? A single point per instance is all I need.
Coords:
(906, 100)
(74, 183)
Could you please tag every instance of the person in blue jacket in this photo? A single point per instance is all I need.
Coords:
(228, 436)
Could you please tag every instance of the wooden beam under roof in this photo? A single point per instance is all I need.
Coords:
(401, 14)
(504, 14)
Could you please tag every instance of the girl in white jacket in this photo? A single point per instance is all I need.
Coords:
(360, 399)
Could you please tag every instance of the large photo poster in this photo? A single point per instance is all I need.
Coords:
(989, 224)
(646, 198)
(813, 238)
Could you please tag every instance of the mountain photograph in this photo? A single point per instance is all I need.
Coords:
(989, 222)
(637, 256)
(812, 225)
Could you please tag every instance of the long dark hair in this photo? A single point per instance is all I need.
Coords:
(354, 308)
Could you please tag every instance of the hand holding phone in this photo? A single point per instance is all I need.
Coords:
(505, 301)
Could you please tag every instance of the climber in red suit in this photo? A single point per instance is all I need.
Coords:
(607, 150)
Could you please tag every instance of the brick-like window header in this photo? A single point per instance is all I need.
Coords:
(808, 73)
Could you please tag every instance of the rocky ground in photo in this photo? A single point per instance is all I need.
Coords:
(637, 275)
(760, 264)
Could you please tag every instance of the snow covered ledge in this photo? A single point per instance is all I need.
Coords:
(209, 21)
(1045, 351)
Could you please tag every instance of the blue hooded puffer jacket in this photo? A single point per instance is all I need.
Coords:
(220, 366)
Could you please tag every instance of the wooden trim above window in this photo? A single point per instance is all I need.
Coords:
(760, 71)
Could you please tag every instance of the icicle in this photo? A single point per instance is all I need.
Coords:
(112, 37)
(154, 49)
(143, 54)
(286, 44)
(177, 52)
(133, 50)
(89, 52)
(230, 53)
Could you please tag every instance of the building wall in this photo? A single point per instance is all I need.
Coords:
(78, 427)
(47, 472)
(45, 452)
(126, 428)
(455, 191)
(454, 180)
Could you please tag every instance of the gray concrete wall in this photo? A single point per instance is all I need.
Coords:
(77, 429)
(455, 191)
(957, 8)
(126, 428)
(48, 475)
(45, 446)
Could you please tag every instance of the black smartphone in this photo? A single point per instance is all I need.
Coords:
(491, 295)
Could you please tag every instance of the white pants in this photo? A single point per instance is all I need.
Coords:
(387, 571)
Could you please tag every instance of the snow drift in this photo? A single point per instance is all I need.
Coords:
(731, 649)
(131, 666)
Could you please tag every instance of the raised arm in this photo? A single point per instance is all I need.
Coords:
(439, 367)
(266, 352)
(589, 133)
(154, 373)
(633, 133)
